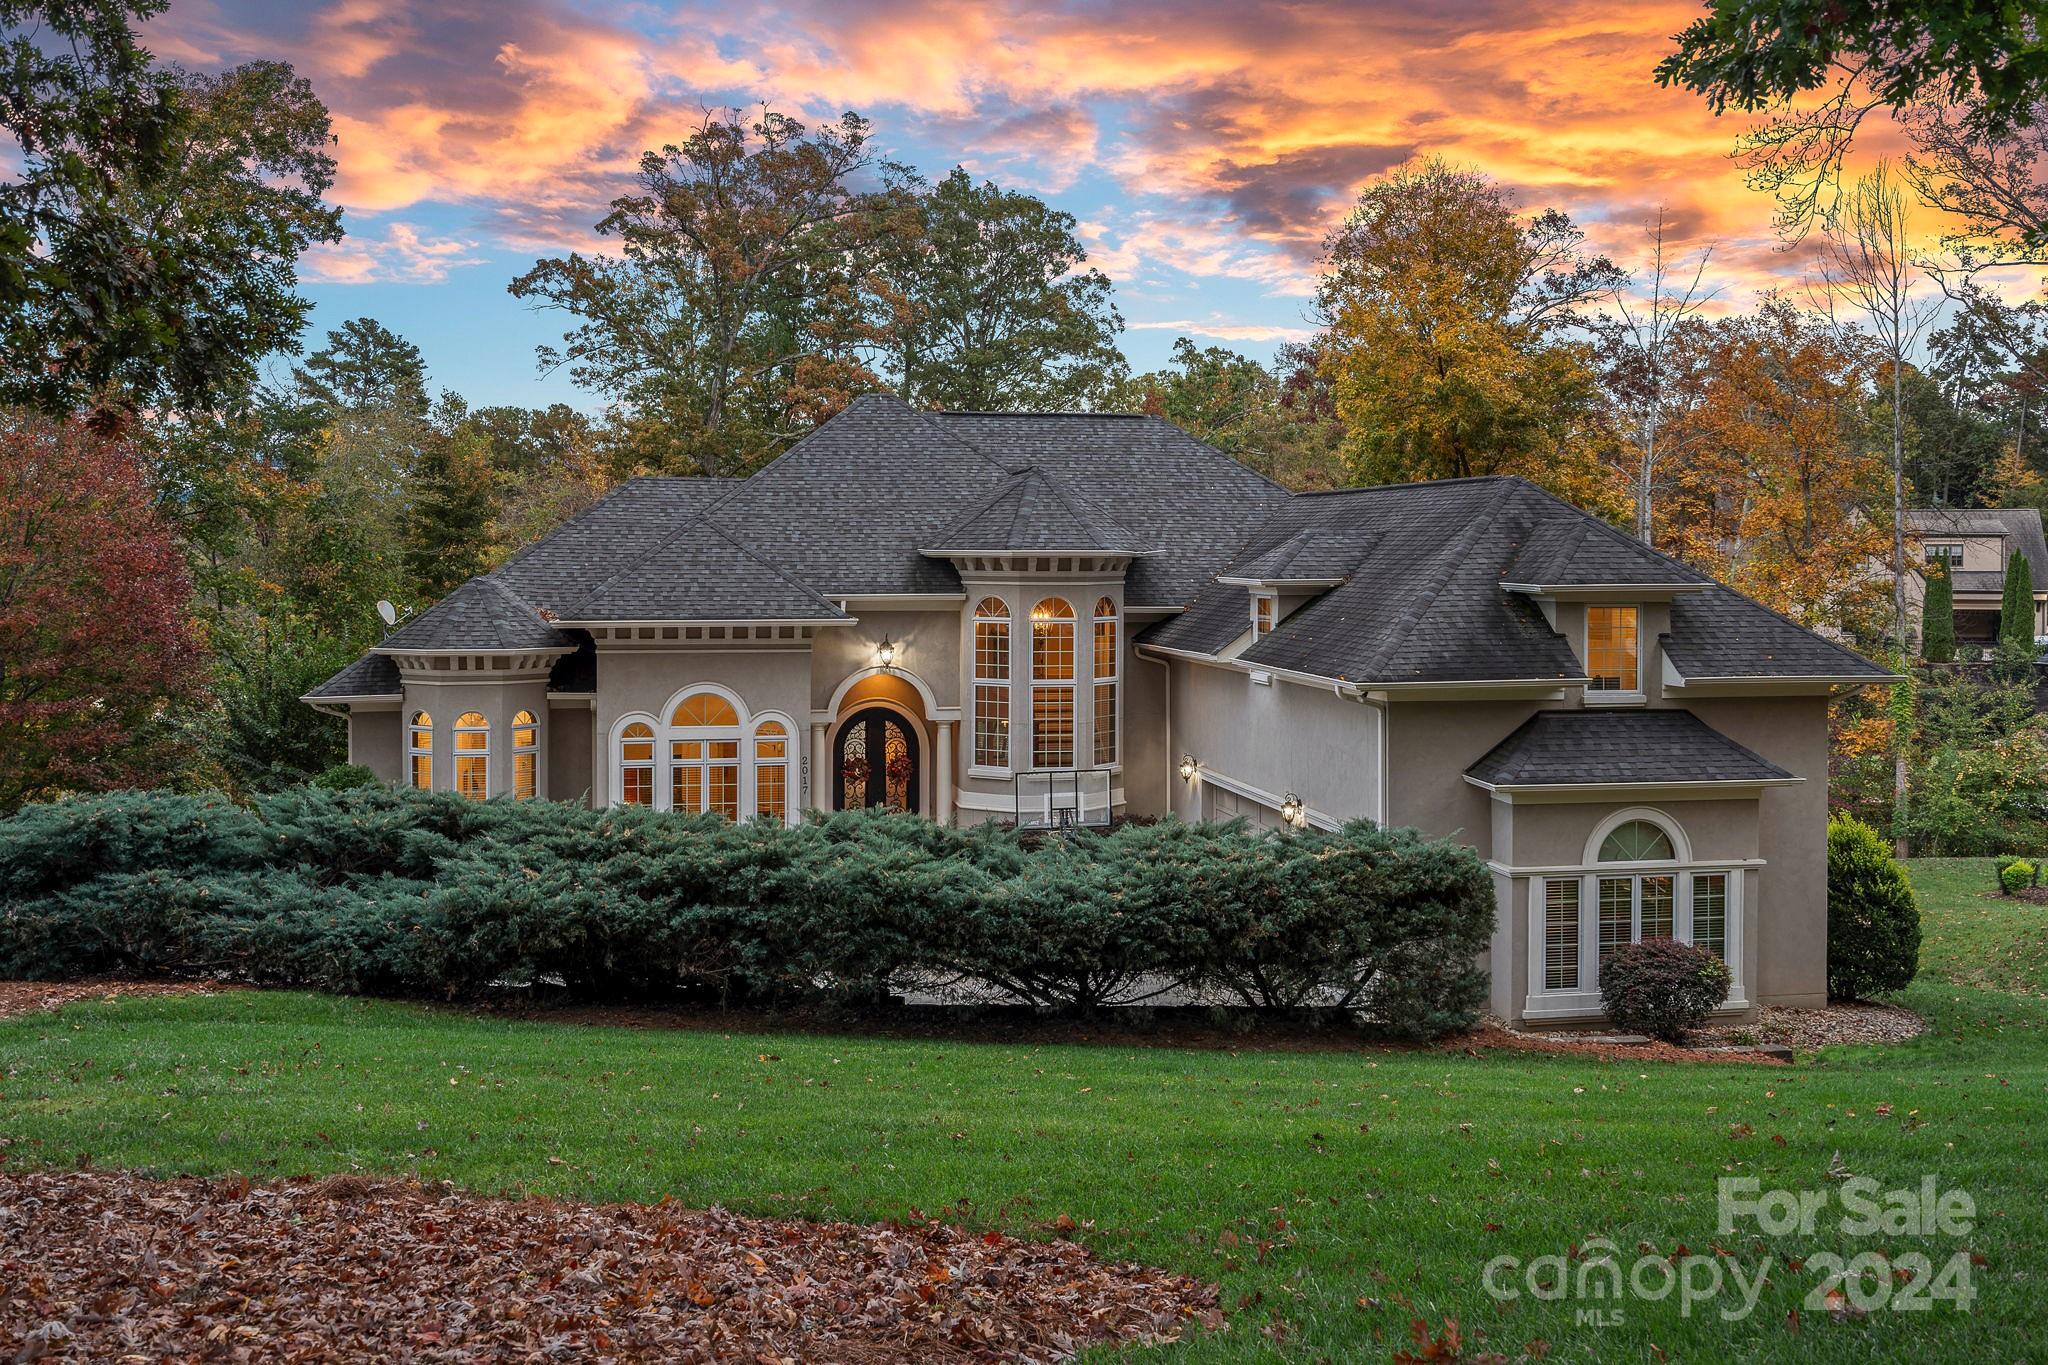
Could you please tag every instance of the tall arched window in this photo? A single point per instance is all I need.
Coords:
(1105, 682)
(419, 748)
(771, 771)
(636, 764)
(1638, 905)
(1052, 684)
(525, 756)
(704, 755)
(991, 683)
(473, 755)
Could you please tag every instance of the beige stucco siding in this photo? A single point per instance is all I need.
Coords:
(1792, 840)
(569, 752)
(1277, 737)
(374, 742)
(927, 647)
(1429, 746)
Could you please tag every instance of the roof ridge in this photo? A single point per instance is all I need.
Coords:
(1092, 515)
(1452, 553)
(1613, 532)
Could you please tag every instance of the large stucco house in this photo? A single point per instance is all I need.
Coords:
(1046, 618)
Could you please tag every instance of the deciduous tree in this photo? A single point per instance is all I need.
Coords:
(999, 308)
(149, 239)
(96, 647)
(742, 308)
(1453, 341)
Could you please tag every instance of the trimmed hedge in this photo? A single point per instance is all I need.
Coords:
(1661, 987)
(391, 891)
(1873, 920)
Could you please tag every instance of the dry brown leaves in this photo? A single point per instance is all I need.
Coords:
(103, 1266)
(26, 997)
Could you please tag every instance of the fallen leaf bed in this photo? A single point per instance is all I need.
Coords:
(104, 1266)
(26, 997)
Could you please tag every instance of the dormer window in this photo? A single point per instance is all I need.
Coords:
(1613, 660)
(1262, 616)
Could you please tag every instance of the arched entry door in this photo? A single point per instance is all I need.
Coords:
(875, 761)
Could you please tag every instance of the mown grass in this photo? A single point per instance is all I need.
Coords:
(1335, 1196)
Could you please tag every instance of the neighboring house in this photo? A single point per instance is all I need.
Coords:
(1975, 544)
(1068, 617)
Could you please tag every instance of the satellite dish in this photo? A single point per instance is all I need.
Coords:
(388, 612)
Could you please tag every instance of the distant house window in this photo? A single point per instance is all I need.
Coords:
(1106, 665)
(420, 749)
(1612, 661)
(771, 772)
(473, 755)
(1052, 684)
(636, 765)
(704, 755)
(1262, 616)
(1948, 555)
(991, 683)
(525, 756)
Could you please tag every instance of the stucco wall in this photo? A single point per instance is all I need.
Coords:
(927, 644)
(569, 753)
(1148, 758)
(1279, 737)
(1792, 839)
(374, 741)
(1429, 746)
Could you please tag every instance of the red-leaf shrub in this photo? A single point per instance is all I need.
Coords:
(1662, 987)
(96, 644)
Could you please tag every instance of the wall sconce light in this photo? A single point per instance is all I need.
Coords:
(1188, 767)
(886, 652)
(1293, 812)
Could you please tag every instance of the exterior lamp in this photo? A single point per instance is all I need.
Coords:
(1188, 767)
(886, 652)
(1293, 812)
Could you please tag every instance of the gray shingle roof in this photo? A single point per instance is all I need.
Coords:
(1583, 551)
(702, 574)
(2021, 527)
(1424, 601)
(1720, 633)
(1314, 555)
(1034, 509)
(565, 565)
(1571, 748)
(482, 614)
(373, 675)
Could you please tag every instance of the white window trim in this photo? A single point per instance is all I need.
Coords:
(1077, 726)
(1008, 683)
(751, 764)
(1636, 696)
(1115, 680)
(520, 751)
(1584, 999)
(1272, 600)
(415, 749)
(668, 735)
(456, 753)
(617, 755)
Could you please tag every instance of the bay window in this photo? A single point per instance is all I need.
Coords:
(1106, 665)
(991, 684)
(1052, 684)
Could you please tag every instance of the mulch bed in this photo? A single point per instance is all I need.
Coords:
(1492, 1036)
(1848, 1021)
(105, 1266)
(26, 997)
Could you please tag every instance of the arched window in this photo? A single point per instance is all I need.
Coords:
(636, 764)
(473, 755)
(525, 756)
(1638, 841)
(419, 747)
(1052, 684)
(771, 771)
(991, 683)
(1105, 682)
(704, 755)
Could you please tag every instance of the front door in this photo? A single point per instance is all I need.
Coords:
(874, 762)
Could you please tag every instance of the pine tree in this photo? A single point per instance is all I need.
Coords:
(448, 533)
(1938, 616)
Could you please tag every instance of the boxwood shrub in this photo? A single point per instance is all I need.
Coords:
(391, 891)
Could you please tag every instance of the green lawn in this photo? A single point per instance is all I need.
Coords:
(1334, 1195)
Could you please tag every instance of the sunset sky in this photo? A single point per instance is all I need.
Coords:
(1204, 145)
